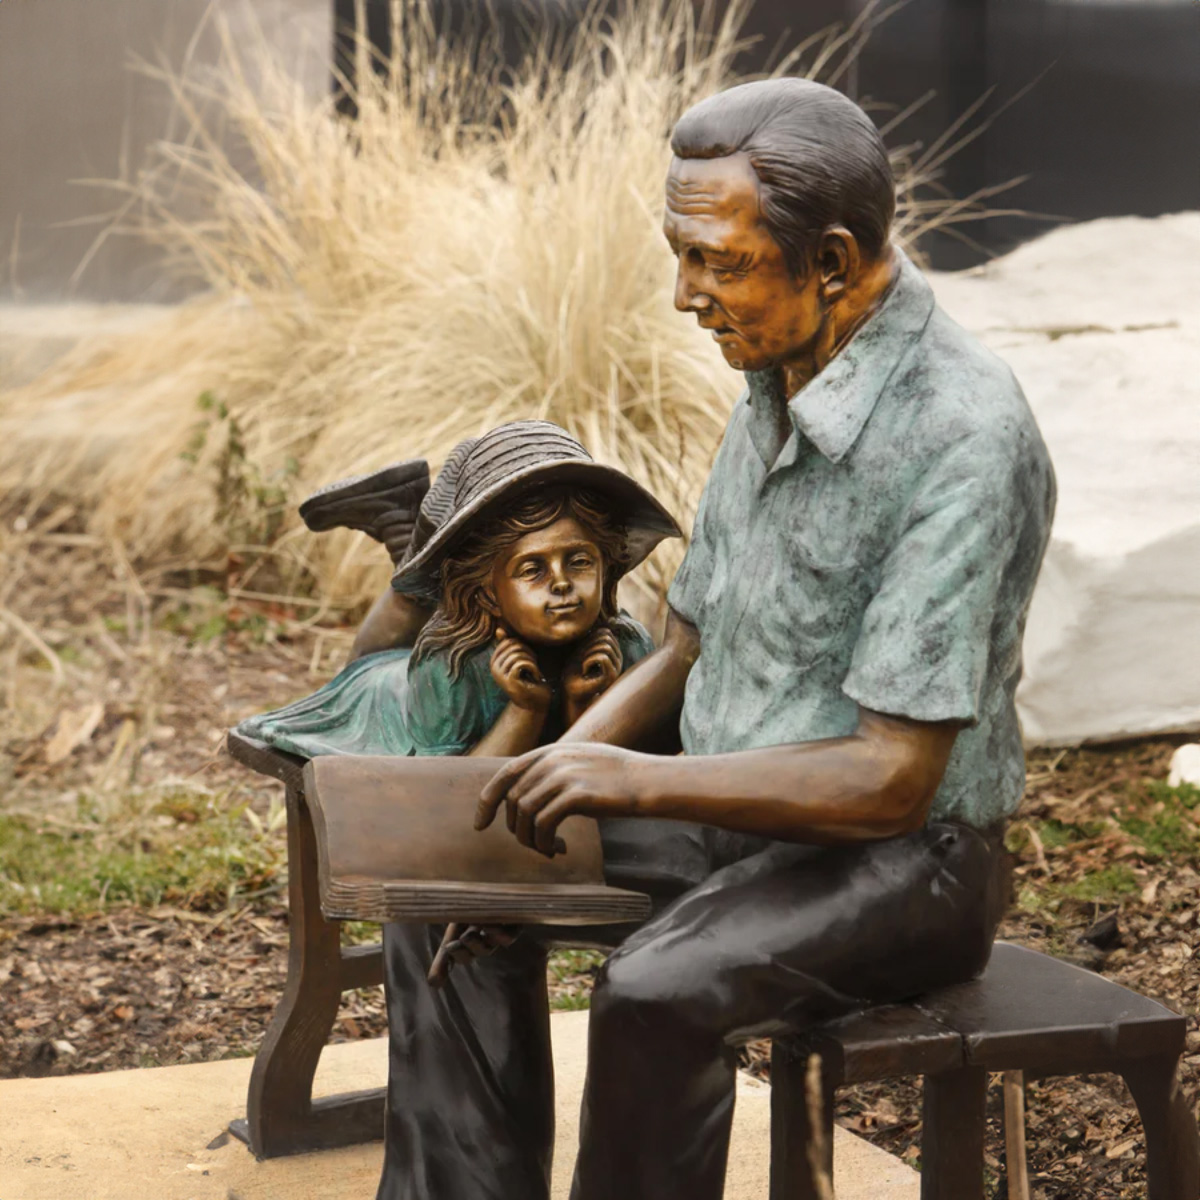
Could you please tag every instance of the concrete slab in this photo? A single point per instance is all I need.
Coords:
(141, 1135)
(1101, 324)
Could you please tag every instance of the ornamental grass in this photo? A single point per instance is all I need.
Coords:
(478, 245)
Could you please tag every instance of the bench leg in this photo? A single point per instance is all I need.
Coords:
(801, 1151)
(1172, 1141)
(952, 1140)
(280, 1115)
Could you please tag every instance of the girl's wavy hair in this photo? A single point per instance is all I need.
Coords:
(462, 622)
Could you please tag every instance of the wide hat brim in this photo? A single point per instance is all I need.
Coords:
(647, 522)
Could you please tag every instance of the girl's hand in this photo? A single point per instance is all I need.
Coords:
(515, 669)
(464, 944)
(593, 669)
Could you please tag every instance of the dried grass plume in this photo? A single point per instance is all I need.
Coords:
(477, 246)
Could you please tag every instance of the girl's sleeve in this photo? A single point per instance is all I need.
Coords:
(445, 715)
(634, 640)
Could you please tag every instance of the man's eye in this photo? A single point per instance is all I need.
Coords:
(529, 571)
(581, 562)
(726, 274)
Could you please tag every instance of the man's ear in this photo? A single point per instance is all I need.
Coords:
(837, 262)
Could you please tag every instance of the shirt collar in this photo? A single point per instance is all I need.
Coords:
(832, 408)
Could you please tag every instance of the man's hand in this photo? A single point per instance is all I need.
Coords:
(465, 943)
(592, 670)
(543, 788)
(516, 672)
(877, 782)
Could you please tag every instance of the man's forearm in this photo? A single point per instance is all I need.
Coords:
(641, 710)
(878, 782)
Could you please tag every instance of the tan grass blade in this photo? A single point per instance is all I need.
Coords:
(477, 246)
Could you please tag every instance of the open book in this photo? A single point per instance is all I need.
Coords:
(396, 842)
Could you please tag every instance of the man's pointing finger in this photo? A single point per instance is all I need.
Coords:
(496, 788)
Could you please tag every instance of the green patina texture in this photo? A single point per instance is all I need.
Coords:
(385, 704)
(884, 555)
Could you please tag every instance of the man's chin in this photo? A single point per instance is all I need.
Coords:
(741, 358)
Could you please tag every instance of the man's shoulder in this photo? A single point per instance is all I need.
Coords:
(951, 389)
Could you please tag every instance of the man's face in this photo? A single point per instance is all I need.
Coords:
(550, 585)
(732, 274)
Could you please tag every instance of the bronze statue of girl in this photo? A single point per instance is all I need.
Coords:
(519, 546)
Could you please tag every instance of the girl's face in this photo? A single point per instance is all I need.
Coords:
(550, 585)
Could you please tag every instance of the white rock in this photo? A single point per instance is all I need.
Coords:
(1185, 765)
(1101, 323)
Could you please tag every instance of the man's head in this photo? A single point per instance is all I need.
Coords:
(779, 202)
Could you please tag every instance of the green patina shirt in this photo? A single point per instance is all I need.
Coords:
(884, 556)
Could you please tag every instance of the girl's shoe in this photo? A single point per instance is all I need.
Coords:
(383, 504)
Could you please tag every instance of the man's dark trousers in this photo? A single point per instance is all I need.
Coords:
(771, 944)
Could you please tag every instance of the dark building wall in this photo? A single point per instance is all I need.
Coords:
(1114, 125)
(1111, 126)
(73, 107)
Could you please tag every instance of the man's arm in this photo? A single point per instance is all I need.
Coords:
(876, 783)
(641, 709)
(394, 620)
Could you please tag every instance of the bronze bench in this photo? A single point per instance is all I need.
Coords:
(281, 1115)
(1027, 1012)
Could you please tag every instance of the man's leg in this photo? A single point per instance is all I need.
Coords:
(470, 1109)
(788, 938)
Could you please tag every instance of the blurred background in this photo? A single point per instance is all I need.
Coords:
(1104, 124)
(248, 247)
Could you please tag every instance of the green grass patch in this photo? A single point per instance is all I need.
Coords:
(177, 846)
(573, 1001)
(1106, 885)
(205, 614)
(1163, 835)
(1187, 795)
(571, 975)
(361, 933)
(1162, 820)
(1056, 834)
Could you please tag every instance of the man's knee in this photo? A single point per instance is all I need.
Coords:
(657, 988)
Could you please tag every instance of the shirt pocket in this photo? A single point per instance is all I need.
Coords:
(804, 615)
(827, 529)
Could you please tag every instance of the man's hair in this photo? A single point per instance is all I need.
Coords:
(819, 160)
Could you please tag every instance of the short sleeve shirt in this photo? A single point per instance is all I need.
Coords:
(884, 557)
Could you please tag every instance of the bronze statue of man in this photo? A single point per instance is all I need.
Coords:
(842, 651)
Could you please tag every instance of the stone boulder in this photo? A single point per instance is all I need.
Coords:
(1101, 323)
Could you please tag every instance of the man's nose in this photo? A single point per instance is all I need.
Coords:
(687, 298)
(560, 582)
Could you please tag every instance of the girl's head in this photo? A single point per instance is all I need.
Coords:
(546, 571)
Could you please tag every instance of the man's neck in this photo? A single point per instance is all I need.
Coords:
(846, 316)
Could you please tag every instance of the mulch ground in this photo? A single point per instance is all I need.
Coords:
(145, 988)
(167, 984)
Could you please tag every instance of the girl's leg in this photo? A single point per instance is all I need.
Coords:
(470, 1109)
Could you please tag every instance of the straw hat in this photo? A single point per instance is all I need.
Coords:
(485, 475)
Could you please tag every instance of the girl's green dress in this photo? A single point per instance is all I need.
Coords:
(385, 704)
